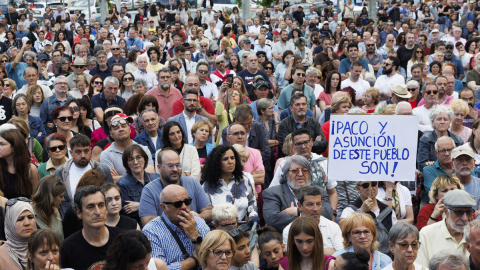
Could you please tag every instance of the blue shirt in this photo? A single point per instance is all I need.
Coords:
(145, 140)
(164, 246)
(286, 94)
(430, 173)
(20, 35)
(135, 41)
(104, 74)
(132, 188)
(99, 101)
(150, 200)
(345, 65)
(17, 73)
(36, 126)
(473, 188)
(384, 260)
(253, 105)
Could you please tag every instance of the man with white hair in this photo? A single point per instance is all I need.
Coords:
(472, 236)
(59, 98)
(74, 21)
(449, 260)
(59, 12)
(107, 98)
(403, 108)
(263, 47)
(463, 160)
(143, 73)
(102, 68)
(213, 34)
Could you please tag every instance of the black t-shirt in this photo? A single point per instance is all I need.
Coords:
(77, 253)
(404, 55)
(440, 7)
(126, 223)
(202, 153)
(5, 110)
(170, 17)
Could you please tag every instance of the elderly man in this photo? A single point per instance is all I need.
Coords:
(388, 46)
(302, 142)
(448, 233)
(102, 68)
(298, 119)
(430, 94)
(78, 67)
(151, 137)
(176, 223)
(59, 98)
(472, 236)
(220, 73)
(170, 171)
(310, 205)
(449, 260)
(16, 68)
(189, 116)
(59, 12)
(165, 94)
(143, 73)
(279, 202)
(251, 71)
(107, 98)
(463, 163)
(31, 76)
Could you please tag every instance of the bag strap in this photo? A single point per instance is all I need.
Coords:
(175, 236)
(384, 213)
(30, 145)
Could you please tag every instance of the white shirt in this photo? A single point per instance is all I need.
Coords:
(154, 141)
(148, 76)
(384, 83)
(214, 78)
(423, 115)
(189, 122)
(360, 86)
(331, 234)
(255, 30)
(417, 267)
(46, 90)
(74, 175)
(209, 89)
(207, 17)
(403, 195)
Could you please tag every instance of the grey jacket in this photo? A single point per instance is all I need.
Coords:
(62, 173)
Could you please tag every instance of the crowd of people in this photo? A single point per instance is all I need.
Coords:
(174, 139)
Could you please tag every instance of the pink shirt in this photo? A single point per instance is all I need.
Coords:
(254, 163)
(447, 101)
(165, 103)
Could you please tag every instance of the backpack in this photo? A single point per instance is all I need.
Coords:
(382, 232)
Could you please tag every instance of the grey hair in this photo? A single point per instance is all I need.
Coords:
(91, 59)
(30, 53)
(450, 259)
(191, 75)
(402, 230)
(400, 105)
(230, 126)
(9, 52)
(141, 56)
(297, 159)
(370, 78)
(441, 109)
(224, 211)
(148, 110)
(110, 79)
(98, 53)
(263, 104)
(200, 63)
(444, 138)
(413, 83)
(140, 81)
(467, 229)
(356, 110)
(311, 70)
(78, 47)
(60, 78)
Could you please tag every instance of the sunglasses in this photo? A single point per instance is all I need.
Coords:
(65, 118)
(449, 47)
(6, 85)
(430, 92)
(419, 51)
(127, 79)
(300, 74)
(97, 82)
(203, 71)
(219, 62)
(55, 148)
(271, 68)
(179, 204)
(115, 49)
(367, 185)
(4, 61)
(76, 108)
(412, 89)
(13, 201)
(119, 122)
(404, 246)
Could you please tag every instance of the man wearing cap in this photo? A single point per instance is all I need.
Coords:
(78, 68)
(390, 78)
(388, 30)
(299, 15)
(107, 98)
(447, 234)
(247, 47)
(399, 93)
(325, 30)
(434, 36)
(112, 156)
(45, 78)
(28, 21)
(450, 56)
(354, 80)
(261, 90)
(463, 163)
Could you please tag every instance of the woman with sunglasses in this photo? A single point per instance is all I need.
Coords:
(368, 204)
(113, 197)
(404, 243)
(63, 119)
(78, 125)
(20, 223)
(126, 86)
(418, 56)
(9, 88)
(224, 181)
(46, 202)
(305, 248)
(21, 109)
(95, 87)
(216, 251)
(56, 147)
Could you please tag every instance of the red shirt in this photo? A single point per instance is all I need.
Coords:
(424, 215)
(326, 132)
(206, 103)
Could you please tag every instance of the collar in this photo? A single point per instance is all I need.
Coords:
(186, 116)
(169, 223)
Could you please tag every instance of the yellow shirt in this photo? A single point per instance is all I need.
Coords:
(221, 115)
(155, 68)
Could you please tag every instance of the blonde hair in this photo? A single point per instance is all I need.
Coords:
(441, 181)
(359, 219)
(200, 124)
(242, 152)
(21, 125)
(389, 109)
(375, 93)
(13, 85)
(339, 100)
(459, 105)
(213, 240)
(31, 92)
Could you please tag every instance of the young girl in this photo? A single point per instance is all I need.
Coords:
(113, 196)
(241, 258)
(271, 247)
(305, 247)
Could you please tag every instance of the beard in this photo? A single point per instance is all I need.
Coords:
(370, 51)
(388, 71)
(458, 227)
(296, 187)
(165, 86)
(168, 177)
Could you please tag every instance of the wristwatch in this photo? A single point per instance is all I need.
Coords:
(197, 240)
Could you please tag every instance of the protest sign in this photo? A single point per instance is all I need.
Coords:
(372, 147)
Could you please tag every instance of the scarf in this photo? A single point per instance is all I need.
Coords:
(396, 203)
(16, 246)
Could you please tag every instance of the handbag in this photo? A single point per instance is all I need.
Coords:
(442, 20)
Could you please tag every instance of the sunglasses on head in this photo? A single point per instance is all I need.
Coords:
(13, 201)
(55, 148)
(367, 185)
(65, 118)
(179, 204)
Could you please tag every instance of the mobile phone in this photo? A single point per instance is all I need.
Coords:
(229, 79)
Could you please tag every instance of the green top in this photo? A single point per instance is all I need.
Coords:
(221, 115)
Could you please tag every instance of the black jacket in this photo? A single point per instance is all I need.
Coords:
(288, 125)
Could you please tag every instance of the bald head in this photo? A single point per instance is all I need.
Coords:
(171, 192)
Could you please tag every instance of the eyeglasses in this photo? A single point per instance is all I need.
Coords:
(203, 46)
(75, 108)
(115, 49)
(460, 213)
(165, 77)
(97, 82)
(55, 148)
(218, 253)
(300, 74)
(137, 158)
(219, 62)
(245, 56)
(62, 83)
(412, 89)
(443, 151)
(367, 185)
(370, 45)
(270, 68)
(6, 85)
(4, 61)
(300, 144)
(359, 233)
(65, 118)
(430, 92)
(449, 47)
(420, 52)
(119, 122)
(193, 84)
(173, 166)
(203, 71)
(404, 246)
(297, 171)
(261, 55)
(127, 79)
(228, 224)
(179, 204)
(387, 65)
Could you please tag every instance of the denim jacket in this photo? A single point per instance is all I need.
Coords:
(132, 188)
(36, 126)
